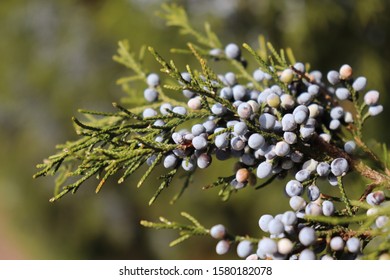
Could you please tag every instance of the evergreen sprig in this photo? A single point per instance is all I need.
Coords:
(282, 97)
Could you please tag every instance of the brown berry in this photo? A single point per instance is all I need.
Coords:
(242, 175)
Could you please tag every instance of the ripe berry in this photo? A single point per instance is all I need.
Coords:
(232, 51)
(307, 236)
(218, 231)
(153, 80)
(222, 247)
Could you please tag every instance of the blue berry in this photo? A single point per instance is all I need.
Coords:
(307, 254)
(333, 77)
(267, 121)
(209, 126)
(226, 93)
(326, 137)
(300, 67)
(306, 131)
(327, 258)
(313, 209)
(218, 109)
(262, 98)
(150, 95)
(307, 236)
(359, 84)
(275, 227)
(232, 51)
(195, 103)
(218, 231)
(342, 93)
(244, 110)
(310, 165)
(297, 203)
(316, 75)
(287, 164)
(337, 243)
(216, 52)
(350, 147)
(222, 247)
(339, 167)
(153, 80)
(255, 106)
(267, 246)
(239, 92)
(288, 122)
(188, 93)
(332, 179)
(179, 110)
(221, 141)
(282, 149)
(186, 77)
(328, 208)
(287, 101)
(337, 113)
(203, 161)
(313, 192)
(256, 141)
(244, 248)
(198, 129)
(305, 98)
(240, 128)
(238, 185)
(353, 245)
(289, 218)
(381, 221)
(294, 188)
(334, 124)
(199, 142)
(151, 160)
(159, 123)
(237, 144)
(188, 164)
(170, 161)
(296, 156)
(248, 159)
(375, 198)
(165, 108)
(290, 137)
(230, 78)
(264, 170)
(313, 90)
(302, 175)
(301, 114)
(264, 221)
(149, 113)
(258, 75)
(375, 110)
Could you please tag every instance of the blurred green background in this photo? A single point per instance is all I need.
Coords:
(56, 57)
